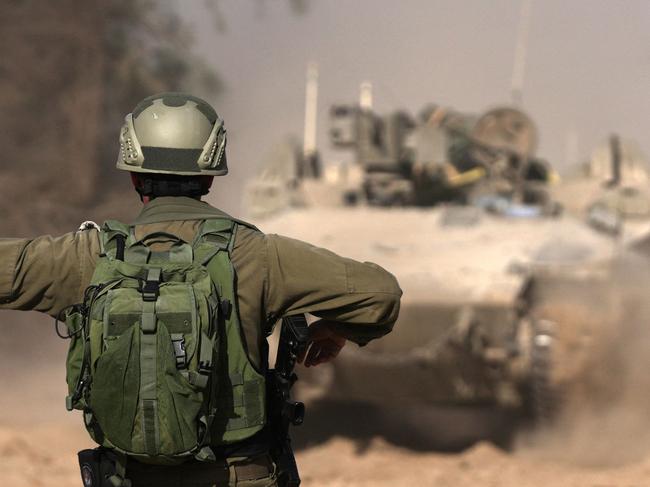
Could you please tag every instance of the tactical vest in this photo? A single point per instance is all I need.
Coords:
(157, 360)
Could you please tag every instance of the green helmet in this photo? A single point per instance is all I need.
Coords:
(173, 133)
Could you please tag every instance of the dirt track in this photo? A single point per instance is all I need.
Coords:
(38, 439)
(45, 456)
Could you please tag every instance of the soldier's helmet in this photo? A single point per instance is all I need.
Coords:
(173, 133)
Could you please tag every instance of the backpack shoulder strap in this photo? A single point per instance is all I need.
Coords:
(114, 237)
(114, 226)
(218, 234)
(245, 224)
(220, 225)
(214, 235)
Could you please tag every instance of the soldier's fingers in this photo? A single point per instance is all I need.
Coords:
(332, 346)
(312, 354)
(323, 350)
(326, 357)
(339, 340)
(336, 351)
(308, 354)
(301, 358)
(328, 351)
(310, 346)
(318, 330)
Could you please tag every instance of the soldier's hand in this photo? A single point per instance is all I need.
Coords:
(325, 344)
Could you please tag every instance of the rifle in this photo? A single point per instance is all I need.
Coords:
(283, 411)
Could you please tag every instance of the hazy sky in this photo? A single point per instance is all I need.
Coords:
(587, 72)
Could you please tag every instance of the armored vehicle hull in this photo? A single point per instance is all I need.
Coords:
(489, 306)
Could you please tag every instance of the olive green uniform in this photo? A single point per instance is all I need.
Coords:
(276, 276)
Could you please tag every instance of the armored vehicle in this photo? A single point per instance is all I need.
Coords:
(497, 282)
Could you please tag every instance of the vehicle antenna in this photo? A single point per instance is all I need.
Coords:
(521, 52)
(365, 96)
(311, 110)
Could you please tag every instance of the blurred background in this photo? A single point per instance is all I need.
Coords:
(70, 71)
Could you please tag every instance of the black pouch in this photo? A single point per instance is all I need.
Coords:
(100, 468)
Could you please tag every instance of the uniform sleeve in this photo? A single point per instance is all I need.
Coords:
(46, 274)
(362, 297)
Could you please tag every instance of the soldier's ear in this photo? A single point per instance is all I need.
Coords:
(137, 184)
(135, 180)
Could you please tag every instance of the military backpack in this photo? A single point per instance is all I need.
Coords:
(156, 361)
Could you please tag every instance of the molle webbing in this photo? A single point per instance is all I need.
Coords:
(148, 361)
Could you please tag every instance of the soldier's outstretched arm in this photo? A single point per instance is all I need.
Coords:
(359, 299)
(46, 273)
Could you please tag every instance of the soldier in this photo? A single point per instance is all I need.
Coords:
(168, 316)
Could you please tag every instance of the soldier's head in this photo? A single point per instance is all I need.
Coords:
(173, 144)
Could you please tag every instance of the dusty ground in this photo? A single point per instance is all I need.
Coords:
(600, 445)
(44, 455)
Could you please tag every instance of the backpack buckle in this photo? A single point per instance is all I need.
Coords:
(150, 290)
(205, 368)
(151, 287)
(226, 307)
(178, 342)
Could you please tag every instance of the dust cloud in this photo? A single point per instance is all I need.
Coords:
(601, 371)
